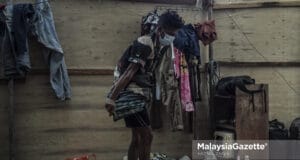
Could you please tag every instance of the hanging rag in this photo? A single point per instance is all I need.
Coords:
(206, 31)
(182, 73)
(44, 30)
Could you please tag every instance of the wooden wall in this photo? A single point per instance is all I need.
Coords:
(48, 129)
(95, 33)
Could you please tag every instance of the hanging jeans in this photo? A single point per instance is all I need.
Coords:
(45, 32)
(14, 56)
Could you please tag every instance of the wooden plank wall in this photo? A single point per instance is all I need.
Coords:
(95, 33)
(232, 4)
(49, 129)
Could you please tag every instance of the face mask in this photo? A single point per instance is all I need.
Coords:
(167, 40)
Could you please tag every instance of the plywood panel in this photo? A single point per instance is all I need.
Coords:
(268, 34)
(230, 4)
(95, 33)
(51, 129)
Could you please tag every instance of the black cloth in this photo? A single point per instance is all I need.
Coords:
(140, 119)
(7, 55)
(2, 24)
(2, 33)
(14, 56)
(22, 13)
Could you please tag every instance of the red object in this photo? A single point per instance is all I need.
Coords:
(206, 31)
(2, 6)
(86, 157)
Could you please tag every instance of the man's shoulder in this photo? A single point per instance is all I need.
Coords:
(146, 40)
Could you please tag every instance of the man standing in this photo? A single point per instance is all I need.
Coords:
(131, 82)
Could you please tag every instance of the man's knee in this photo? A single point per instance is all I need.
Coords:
(136, 139)
(147, 136)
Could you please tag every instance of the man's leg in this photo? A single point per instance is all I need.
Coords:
(133, 151)
(145, 145)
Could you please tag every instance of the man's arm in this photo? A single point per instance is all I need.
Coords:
(123, 81)
(140, 51)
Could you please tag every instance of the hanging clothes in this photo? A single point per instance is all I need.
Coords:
(182, 73)
(21, 19)
(2, 33)
(44, 30)
(206, 31)
(8, 53)
(187, 41)
(170, 91)
(22, 13)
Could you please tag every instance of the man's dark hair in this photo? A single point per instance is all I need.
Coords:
(170, 20)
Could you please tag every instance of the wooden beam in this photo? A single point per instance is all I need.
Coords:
(191, 2)
(108, 71)
(102, 71)
(256, 4)
(259, 64)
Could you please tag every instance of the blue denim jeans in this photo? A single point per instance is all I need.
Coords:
(14, 54)
(43, 25)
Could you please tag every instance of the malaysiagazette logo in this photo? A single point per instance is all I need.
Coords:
(230, 146)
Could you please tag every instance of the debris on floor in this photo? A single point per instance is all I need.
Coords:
(85, 157)
(160, 156)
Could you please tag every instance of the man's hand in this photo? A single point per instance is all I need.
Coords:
(110, 106)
